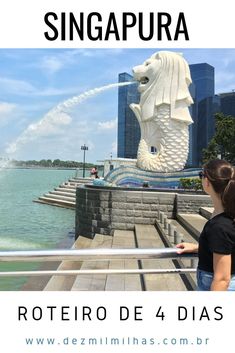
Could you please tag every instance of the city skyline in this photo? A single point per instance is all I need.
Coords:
(33, 82)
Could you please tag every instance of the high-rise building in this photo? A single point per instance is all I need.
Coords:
(128, 126)
(203, 77)
(227, 103)
(193, 112)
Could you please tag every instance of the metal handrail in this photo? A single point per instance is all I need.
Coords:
(91, 254)
(97, 272)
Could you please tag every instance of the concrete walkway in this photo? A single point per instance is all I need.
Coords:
(144, 236)
(194, 223)
(206, 212)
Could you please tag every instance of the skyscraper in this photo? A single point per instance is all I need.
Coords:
(203, 77)
(193, 112)
(227, 103)
(128, 126)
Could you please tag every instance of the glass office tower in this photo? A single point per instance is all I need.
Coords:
(193, 113)
(227, 103)
(203, 77)
(128, 126)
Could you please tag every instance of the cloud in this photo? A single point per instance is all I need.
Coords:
(57, 117)
(16, 86)
(225, 81)
(51, 124)
(51, 91)
(24, 88)
(114, 147)
(228, 58)
(6, 108)
(6, 112)
(99, 52)
(52, 64)
(107, 125)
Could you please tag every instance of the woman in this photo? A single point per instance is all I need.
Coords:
(94, 172)
(216, 248)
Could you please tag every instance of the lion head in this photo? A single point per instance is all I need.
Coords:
(164, 78)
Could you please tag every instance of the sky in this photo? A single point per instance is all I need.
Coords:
(33, 82)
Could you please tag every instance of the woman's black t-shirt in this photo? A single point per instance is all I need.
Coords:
(218, 236)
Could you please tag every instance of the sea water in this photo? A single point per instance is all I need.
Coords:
(26, 225)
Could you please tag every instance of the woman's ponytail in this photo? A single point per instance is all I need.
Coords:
(228, 197)
(221, 174)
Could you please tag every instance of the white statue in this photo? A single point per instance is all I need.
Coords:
(163, 112)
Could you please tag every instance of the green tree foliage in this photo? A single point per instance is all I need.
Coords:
(191, 184)
(48, 163)
(223, 142)
(211, 152)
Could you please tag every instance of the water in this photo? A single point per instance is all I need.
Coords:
(26, 225)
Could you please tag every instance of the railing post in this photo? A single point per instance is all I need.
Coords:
(171, 230)
(158, 214)
(161, 217)
(193, 263)
(165, 224)
(167, 229)
(178, 237)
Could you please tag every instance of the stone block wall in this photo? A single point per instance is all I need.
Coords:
(100, 210)
(192, 203)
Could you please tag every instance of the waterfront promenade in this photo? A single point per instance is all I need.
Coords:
(186, 226)
(144, 232)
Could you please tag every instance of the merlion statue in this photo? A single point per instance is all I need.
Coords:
(163, 112)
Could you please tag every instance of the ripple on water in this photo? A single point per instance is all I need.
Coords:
(28, 225)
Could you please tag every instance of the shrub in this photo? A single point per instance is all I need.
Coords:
(190, 184)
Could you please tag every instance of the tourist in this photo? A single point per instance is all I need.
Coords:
(94, 172)
(216, 248)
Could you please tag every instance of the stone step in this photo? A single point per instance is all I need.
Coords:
(65, 283)
(169, 241)
(71, 190)
(193, 223)
(147, 236)
(94, 282)
(75, 182)
(65, 194)
(56, 202)
(186, 236)
(75, 185)
(67, 186)
(120, 239)
(81, 180)
(123, 239)
(206, 212)
(60, 197)
(62, 193)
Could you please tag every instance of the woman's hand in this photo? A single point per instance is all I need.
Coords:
(187, 248)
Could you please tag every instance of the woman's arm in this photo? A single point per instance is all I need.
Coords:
(222, 272)
(187, 248)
